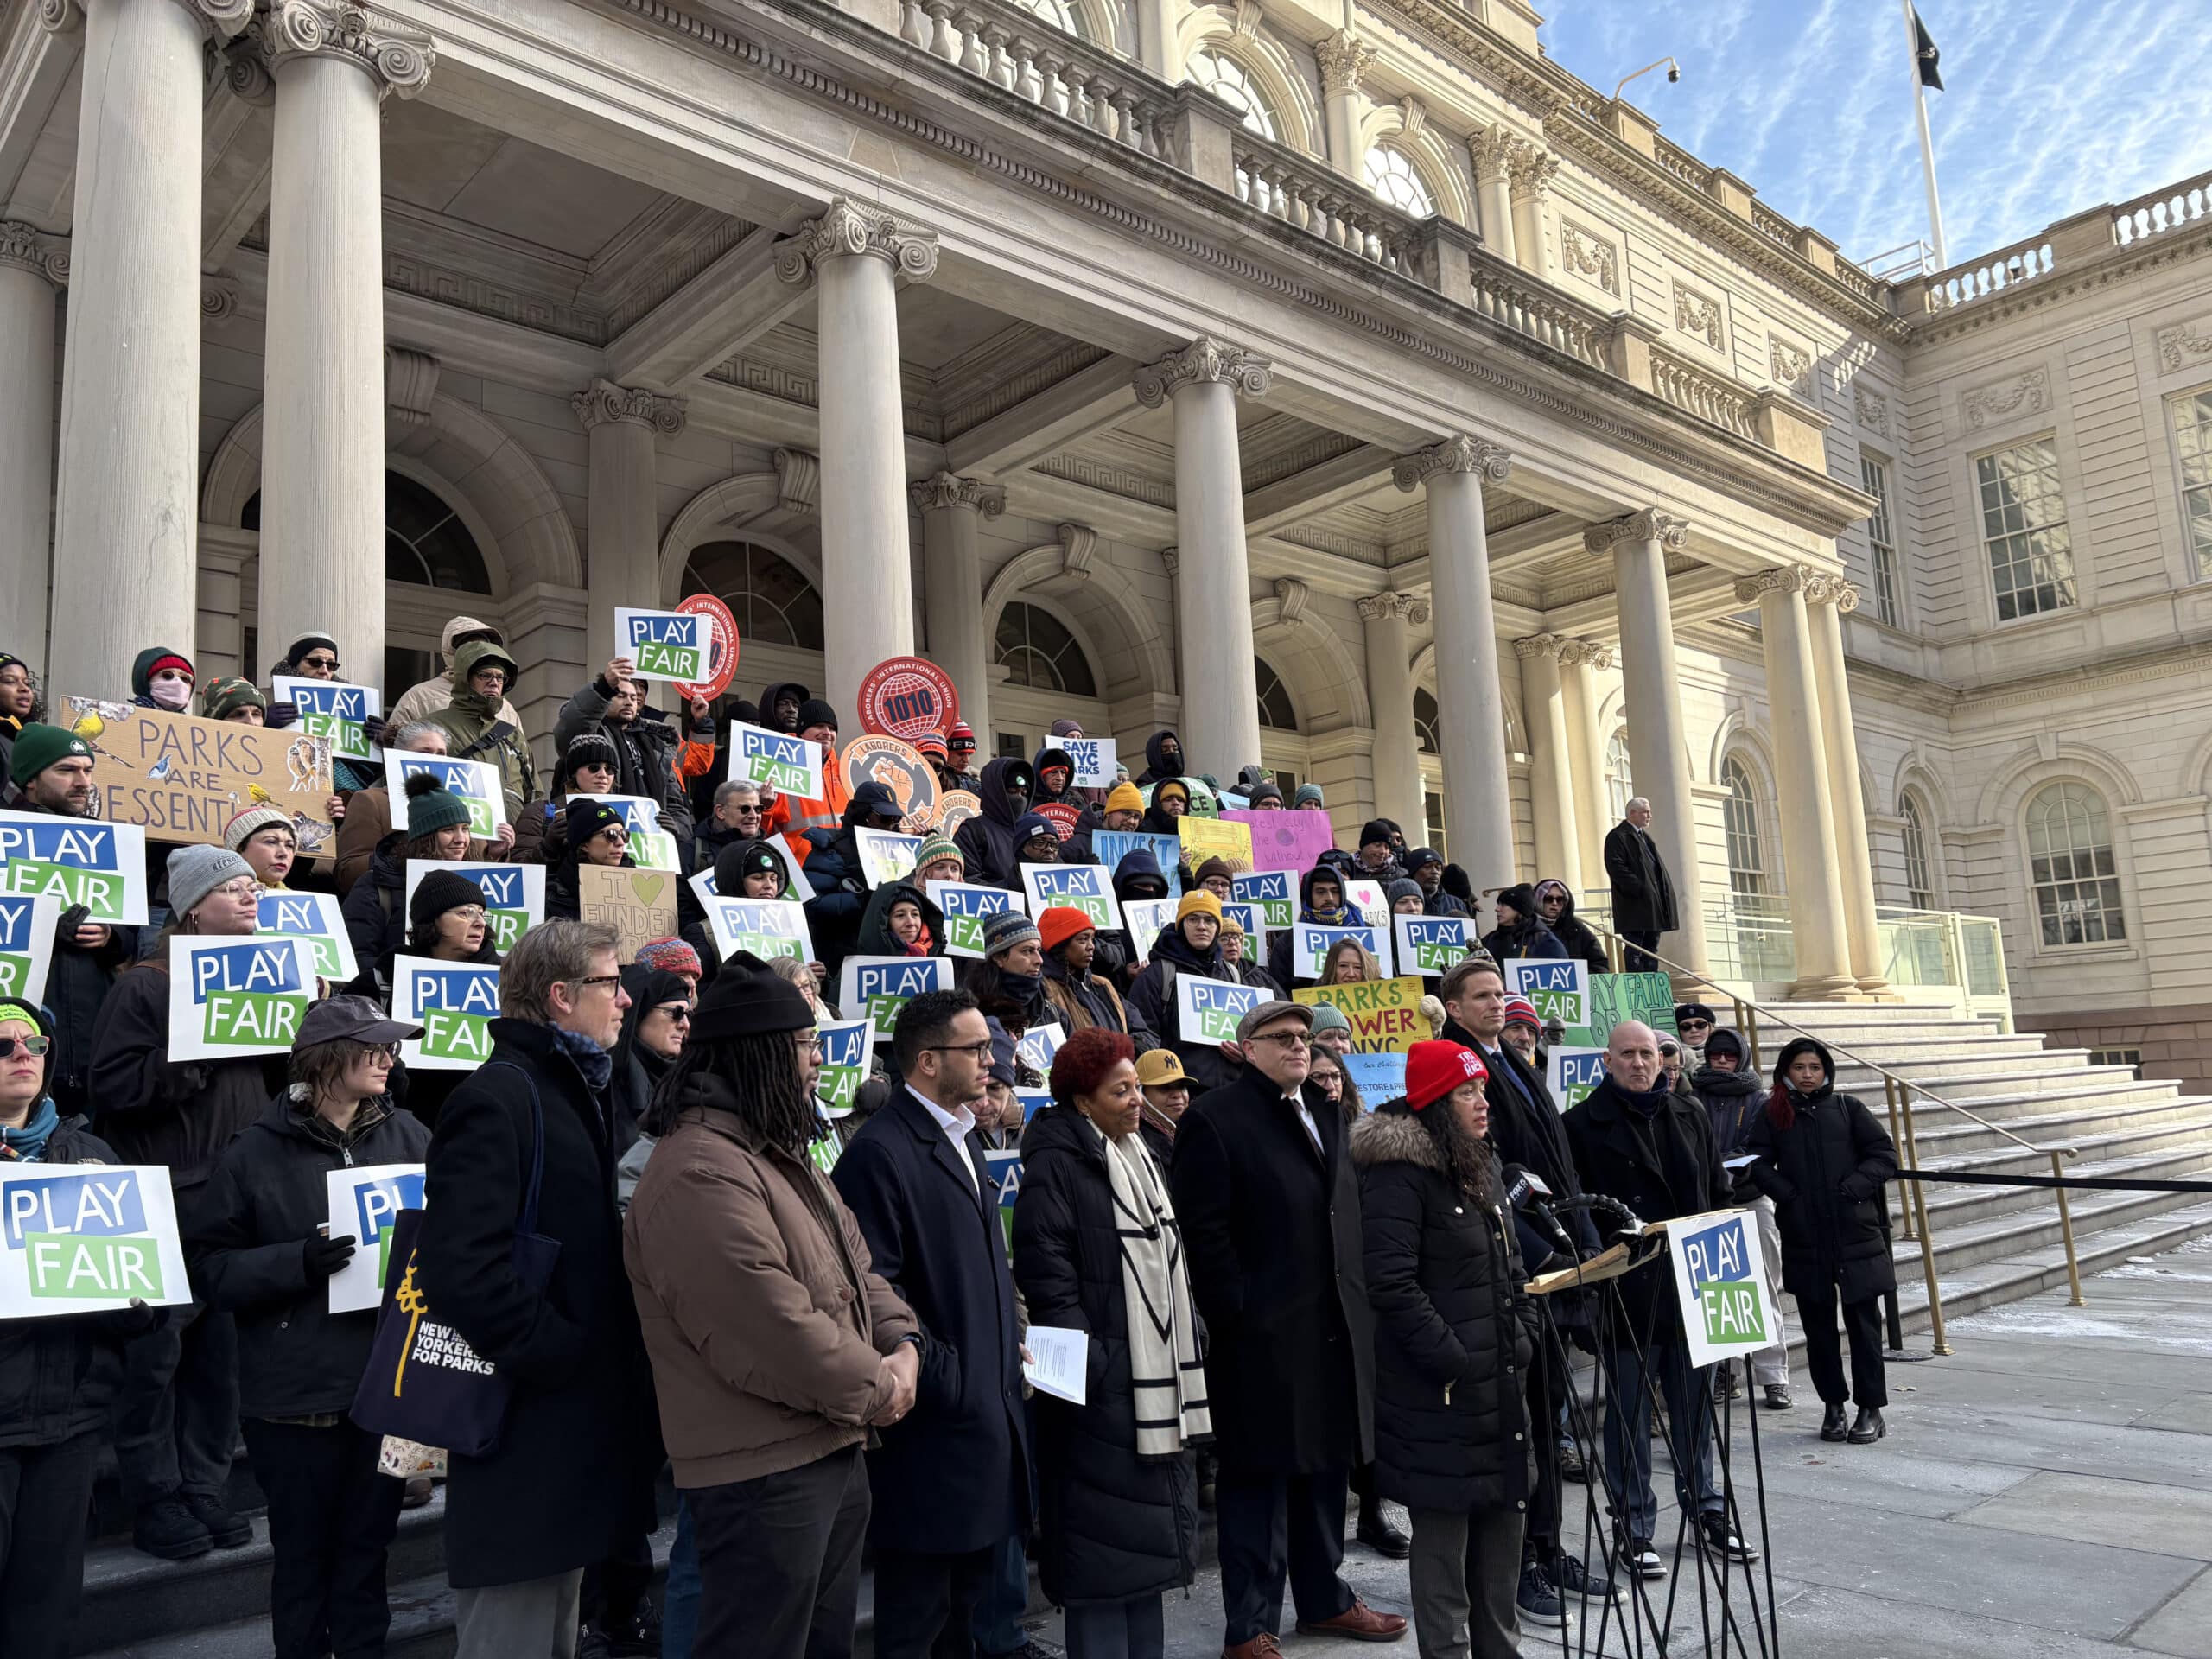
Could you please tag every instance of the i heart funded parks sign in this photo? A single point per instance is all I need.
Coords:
(673, 645)
(85, 862)
(87, 1239)
(229, 997)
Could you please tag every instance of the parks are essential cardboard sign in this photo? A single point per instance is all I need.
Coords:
(1560, 990)
(966, 905)
(454, 1002)
(664, 644)
(768, 927)
(362, 1202)
(1571, 1073)
(182, 779)
(233, 996)
(86, 1238)
(333, 709)
(76, 861)
(1207, 1010)
(477, 783)
(845, 1048)
(790, 765)
(26, 927)
(1275, 891)
(316, 917)
(1429, 945)
(514, 894)
(1086, 887)
(1720, 1284)
(878, 987)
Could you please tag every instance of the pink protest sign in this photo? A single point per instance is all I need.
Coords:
(1286, 841)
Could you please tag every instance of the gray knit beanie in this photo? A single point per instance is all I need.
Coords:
(195, 872)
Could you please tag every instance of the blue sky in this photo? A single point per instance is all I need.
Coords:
(2051, 107)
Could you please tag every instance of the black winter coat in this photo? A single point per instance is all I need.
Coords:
(78, 981)
(645, 752)
(1527, 937)
(1579, 939)
(1152, 1005)
(1678, 1175)
(1115, 1526)
(376, 906)
(953, 1474)
(1278, 1271)
(1527, 1131)
(1825, 1173)
(572, 1480)
(153, 1110)
(987, 840)
(1454, 1333)
(58, 1377)
(1642, 887)
(265, 1199)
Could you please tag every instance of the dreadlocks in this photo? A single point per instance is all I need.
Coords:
(760, 1073)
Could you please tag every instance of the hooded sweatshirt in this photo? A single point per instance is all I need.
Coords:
(1343, 914)
(876, 938)
(1155, 765)
(426, 697)
(477, 729)
(638, 1071)
(989, 841)
(1572, 931)
(1151, 1003)
(768, 720)
(1052, 756)
(833, 870)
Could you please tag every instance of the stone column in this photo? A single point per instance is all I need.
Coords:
(952, 587)
(1391, 691)
(1344, 58)
(1478, 805)
(1827, 599)
(1579, 661)
(622, 512)
(30, 266)
(1212, 567)
(1551, 774)
(126, 494)
(1161, 52)
(1658, 745)
(1801, 764)
(856, 254)
(1492, 148)
(323, 462)
(1529, 171)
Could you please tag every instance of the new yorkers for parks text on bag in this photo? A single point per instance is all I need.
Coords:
(423, 1382)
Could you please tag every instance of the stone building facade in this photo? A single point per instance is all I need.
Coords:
(1373, 399)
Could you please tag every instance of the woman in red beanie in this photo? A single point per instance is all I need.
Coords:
(1453, 1336)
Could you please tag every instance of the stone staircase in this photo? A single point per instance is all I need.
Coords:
(1998, 1243)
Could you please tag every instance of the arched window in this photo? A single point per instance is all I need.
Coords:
(1919, 884)
(1060, 15)
(1037, 650)
(769, 600)
(1235, 85)
(2070, 865)
(1747, 857)
(1394, 178)
(424, 540)
(1618, 787)
(1428, 723)
(1276, 713)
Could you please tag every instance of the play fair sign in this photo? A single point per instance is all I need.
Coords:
(83, 861)
(363, 1204)
(514, 894)
(966, 905)
(845, 1051)
(26, 927)
(87, 1238)
(876, 988)
(1560, 990)
(454, 1002)
(664, 644)
(790, 765)
(231, 996)
(316, 917)
(1208, 1010)
(1429, 945)
(1086, 887)
(1720, 1284)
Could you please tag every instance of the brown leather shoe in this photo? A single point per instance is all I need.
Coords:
(1262, 1646)
(1360, 1622)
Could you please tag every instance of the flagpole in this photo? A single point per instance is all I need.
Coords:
(1927, 145)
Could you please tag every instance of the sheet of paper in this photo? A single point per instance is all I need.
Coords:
(1747, 1160)
(1061, 1365)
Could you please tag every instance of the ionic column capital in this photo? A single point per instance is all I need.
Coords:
(1584, 653)
(25, 247)
(1648, 525)
(847, 229)
(1839, 591)
(604, 401)
(948, 490)
(1776, 579)
(1458, 453)
(61, 16)
(1344, 60)
(396, 60)
(1384, 607)
(1205, 361)
(1542, 645)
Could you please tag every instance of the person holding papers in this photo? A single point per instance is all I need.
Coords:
(1097, 1249)
(262, 1251)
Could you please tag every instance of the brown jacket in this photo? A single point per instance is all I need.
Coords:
(764, 1321)
(367, 823)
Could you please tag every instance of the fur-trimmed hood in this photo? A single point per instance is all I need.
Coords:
(1395, 1137)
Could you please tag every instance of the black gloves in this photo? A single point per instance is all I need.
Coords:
(373, 729)
(323, 1256)
(280, 715)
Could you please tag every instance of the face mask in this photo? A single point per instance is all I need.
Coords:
(171, 692)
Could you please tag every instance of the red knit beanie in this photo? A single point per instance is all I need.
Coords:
(1434, 1069)
(1061, 923)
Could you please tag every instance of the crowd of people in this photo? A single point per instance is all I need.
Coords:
(682, 1263)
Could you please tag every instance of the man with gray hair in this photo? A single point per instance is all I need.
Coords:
(521, 1254)
(1643, 891)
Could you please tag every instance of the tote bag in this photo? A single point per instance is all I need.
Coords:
(423, 1382)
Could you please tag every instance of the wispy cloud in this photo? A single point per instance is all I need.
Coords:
(2054, 106)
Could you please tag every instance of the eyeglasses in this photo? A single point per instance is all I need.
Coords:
(328, 663)
(979, 1052)
(599, 980)
(743, 807)
(241, 887)
(388, 1050)
(806, 1043)
(31, 1046)
(467, 912)
(1698, 1024)
(1285, 1039)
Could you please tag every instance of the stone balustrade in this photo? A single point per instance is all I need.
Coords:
(1508, 295)
(2186, 203)
(1992, 273)
(1704, 394)
(1014, 49)
(1313, 196)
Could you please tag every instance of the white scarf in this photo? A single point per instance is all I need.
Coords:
(1166, 1373)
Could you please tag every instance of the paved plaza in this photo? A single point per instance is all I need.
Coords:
(2045, 1491)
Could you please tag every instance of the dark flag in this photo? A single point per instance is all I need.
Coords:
(1924, 54)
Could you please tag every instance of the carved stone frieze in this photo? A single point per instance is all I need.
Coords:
(1790, 366)
(2185, 343)
(1873, 411)
(1589, 256)
(1205, 361)
(2028, 393)
(1701, 317)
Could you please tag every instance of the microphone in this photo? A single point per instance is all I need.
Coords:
(1626, 1221)
(1525, 1191)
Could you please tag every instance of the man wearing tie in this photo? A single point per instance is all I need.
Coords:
(1269, 1204)
(952, 1480)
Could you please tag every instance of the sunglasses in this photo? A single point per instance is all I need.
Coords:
(329, 663)
(34, 1046)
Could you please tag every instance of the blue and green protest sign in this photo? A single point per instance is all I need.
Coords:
(1429, 945)
(87, 1238)
(879, 986)
(1086, 887)
(316, 917)
(230, 997)
(86, 861)
(671, 645)
(768, 927)
(26, 927)
(334, 709)
(846, 1045)
(454, 1002)
(966, 905)
(790, 765)
(514, 894)
(1275, 891)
